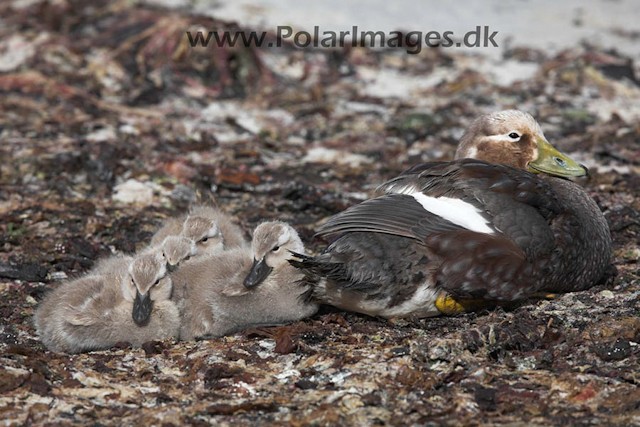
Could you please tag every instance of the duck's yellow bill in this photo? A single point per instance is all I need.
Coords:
(553, 162)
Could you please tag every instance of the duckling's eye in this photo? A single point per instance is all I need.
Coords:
(560, 162)
(276, 248)
(514, 135)
(204, 239)
(156, 282)
(188, 258)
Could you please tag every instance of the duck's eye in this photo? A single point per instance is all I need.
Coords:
(204, 239)
(276, 248)
(560, 162)
(514, 135)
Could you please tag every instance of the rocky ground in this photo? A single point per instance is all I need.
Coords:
(110, 122)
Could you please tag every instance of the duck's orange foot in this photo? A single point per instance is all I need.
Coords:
(544, 295)
(449, 305)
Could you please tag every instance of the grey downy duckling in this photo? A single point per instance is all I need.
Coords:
(211, 229)
(243, 287)
(178, 249)
(97, 311)
(175, 249)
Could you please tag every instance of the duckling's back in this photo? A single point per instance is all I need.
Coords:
(76, 316)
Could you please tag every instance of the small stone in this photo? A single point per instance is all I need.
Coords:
(181, 171)
(619, 350)
(306, 385)
(486, 398)
(103, 134)
(133, 192)
(329, 155)
(26, 272)
(400, 351)
(183, 194)
(606, 294)
(440, 350)
(58, 275)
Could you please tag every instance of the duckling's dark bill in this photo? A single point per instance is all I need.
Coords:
(259, 271)
(553, 162)
(142, 306)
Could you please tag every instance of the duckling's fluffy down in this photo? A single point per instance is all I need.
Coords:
(89, 313)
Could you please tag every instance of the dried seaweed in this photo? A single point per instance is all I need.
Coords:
(110, 123)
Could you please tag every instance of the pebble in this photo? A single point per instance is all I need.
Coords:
(606, 294)
(133, 192)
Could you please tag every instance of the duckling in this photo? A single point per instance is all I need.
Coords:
(148, 282)
(498, 223)
(211, 229)
(97, 311)
(206, 233)
(243, 287)
(232, 234)
(176, 249)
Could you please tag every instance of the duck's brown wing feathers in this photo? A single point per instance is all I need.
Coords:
(477, 265)
(515, 203)
(396, 214)
(494, 265)
(470, 179)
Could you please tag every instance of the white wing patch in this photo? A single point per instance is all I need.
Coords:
(455, 210)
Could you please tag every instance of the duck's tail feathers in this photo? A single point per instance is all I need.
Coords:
(312, 281)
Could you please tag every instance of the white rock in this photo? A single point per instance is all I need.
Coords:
(385, 83)
(283, 377)
(133, 192)
(15, 52)
(58, 275)
(329, 155)
(103, 134)
(129, 129)
(607, 294)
